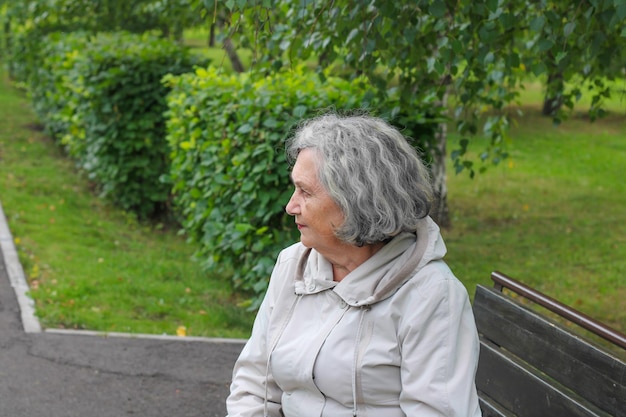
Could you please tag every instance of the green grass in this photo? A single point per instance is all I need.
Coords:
(533, 92)
(553, 215)
(89, 265)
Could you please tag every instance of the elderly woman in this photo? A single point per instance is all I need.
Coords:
(362, 317)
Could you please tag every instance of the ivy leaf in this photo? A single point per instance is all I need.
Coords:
(243, 227)
(536, 25)
(544, 45)
(245, 128)
(492, 5)
(559, 57)
(569, 28)
(437, 9)
(353, 33)
(299, 111)
(621, 12)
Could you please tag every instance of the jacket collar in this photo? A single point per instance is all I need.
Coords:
(381, 275)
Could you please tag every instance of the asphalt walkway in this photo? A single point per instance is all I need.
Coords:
(67, 374)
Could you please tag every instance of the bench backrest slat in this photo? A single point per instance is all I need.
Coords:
(543, 344)
(490, 408)
(519, 388)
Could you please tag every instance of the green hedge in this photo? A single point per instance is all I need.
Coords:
(24, 23)
(104, 97)
(228, 168)
(50, 87)
(23, 50)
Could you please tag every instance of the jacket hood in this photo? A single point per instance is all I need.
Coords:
(381, 275)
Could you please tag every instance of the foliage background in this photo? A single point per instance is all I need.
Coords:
(465, 63)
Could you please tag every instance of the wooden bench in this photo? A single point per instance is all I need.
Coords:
(532, 366)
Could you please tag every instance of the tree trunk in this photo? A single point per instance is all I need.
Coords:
(440, 211)
(211, 40)
(6, 48)
(554, 99)
(179, 34)
(232, 55)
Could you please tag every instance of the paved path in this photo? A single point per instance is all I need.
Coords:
(45, 374)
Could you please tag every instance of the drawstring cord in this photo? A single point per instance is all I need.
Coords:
(355, 361)
(272, 347)
(299, 273)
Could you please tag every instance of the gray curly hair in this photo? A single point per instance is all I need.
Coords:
(370, 170)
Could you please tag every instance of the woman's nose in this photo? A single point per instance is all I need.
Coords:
(290, 208)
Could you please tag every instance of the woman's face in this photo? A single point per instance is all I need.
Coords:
(315, 212)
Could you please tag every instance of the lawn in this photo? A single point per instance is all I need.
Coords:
(553, 215)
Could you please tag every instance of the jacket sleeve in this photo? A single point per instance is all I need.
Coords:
(251, 372)
(440, 348)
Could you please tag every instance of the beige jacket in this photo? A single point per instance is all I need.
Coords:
(396, 337)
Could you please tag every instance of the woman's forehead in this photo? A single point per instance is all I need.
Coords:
(306, 167)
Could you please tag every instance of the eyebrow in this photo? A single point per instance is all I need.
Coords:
(302, 185)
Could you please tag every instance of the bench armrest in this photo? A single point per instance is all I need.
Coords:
(502, 281)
